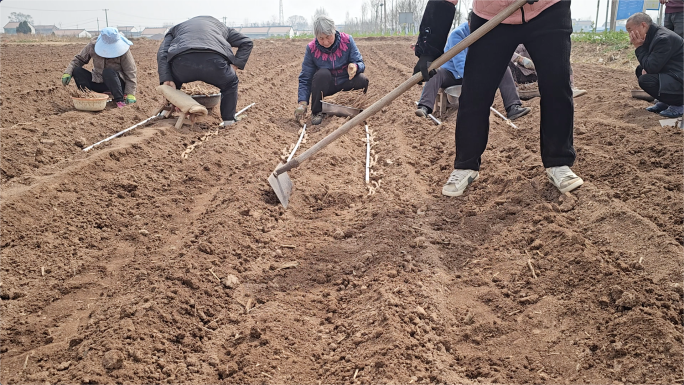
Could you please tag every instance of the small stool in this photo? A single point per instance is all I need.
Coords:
(442, 101)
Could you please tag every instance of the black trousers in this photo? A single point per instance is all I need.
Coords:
(210, 68)
(547, 39)
(651, 84)
(112, 82)
(323, 84)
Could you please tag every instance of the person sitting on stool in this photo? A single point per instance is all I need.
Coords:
(661, 62)
(451, 74)
(114, 69)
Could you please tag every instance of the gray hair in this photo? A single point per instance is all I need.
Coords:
(640, 17)
(323, 25)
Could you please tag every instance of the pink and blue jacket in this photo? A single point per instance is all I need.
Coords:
(336, 59)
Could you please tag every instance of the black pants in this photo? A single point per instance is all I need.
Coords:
(547, 39)
(210, 68)
(323, 84)
(651, 84)
(112, 82)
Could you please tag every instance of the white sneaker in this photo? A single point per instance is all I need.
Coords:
(563, 178)
(226, 123)
(458, 181)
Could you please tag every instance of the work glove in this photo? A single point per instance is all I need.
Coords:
(527, 63)
(66, 78)
(422, 66)
(130, 99)
(300, 111)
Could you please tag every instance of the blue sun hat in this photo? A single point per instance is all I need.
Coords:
(111, 43)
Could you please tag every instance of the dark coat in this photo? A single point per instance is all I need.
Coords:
(202, 34)
(434, 28)
(663, 53)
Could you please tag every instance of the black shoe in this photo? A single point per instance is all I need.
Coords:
(516, 111)
(422, 112)
(658, 107)
(317, 119)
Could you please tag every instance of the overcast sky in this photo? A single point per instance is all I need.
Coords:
(152, 13)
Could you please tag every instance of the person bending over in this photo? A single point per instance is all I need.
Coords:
(201, 49)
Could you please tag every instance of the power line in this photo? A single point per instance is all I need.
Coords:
(51, 10)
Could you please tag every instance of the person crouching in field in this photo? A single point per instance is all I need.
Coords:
(332, 63)
(661, 62)
(200, 49)
(114, 69)
(451, 74)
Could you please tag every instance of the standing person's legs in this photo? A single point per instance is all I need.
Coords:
(675, 22)
(442, 79)
(509, 93)
(114, 84)
(320, 86)
(548, 42)
(485, 66)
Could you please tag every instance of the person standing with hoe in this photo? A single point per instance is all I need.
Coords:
(544, 26)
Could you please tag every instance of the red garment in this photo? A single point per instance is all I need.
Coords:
(674, 6)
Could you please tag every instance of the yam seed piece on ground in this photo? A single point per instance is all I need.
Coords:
(112, 360)
(231, 281)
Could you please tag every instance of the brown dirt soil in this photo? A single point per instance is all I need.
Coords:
(129, 264)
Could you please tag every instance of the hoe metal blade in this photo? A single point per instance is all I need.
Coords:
(282, 185)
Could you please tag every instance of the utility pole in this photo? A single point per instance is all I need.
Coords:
(598, 3)
(613, 15)
(281, 14)
(98, 23)
(224, 21)
(384, 25)
(605, 26)
(106, 17)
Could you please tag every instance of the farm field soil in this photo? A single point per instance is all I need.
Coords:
(132, 264)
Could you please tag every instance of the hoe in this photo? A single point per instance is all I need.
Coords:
(281, 182)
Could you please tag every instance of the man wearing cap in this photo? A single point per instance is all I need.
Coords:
(201, 49)
(114, 69)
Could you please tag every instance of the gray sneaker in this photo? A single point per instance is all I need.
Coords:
(226, 123)
(517, 111)
(458, 181)
(317, 119)
(422, 112)
(563, 178)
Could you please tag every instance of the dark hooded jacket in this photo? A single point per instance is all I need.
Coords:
(202, 34)
(434, 28)
(663, 53)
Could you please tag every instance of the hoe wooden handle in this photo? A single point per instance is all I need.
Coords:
(405, 86)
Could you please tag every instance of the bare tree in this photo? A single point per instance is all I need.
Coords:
(18, 17)
(297, 22)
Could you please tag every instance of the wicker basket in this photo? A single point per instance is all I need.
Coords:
(96, 103)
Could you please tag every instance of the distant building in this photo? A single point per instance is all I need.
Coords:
(45, 29)
(72, 33)
(155, 33)
(582, 25)
(266, 32)
(11, 28)
(129, 31)
(94, 33)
